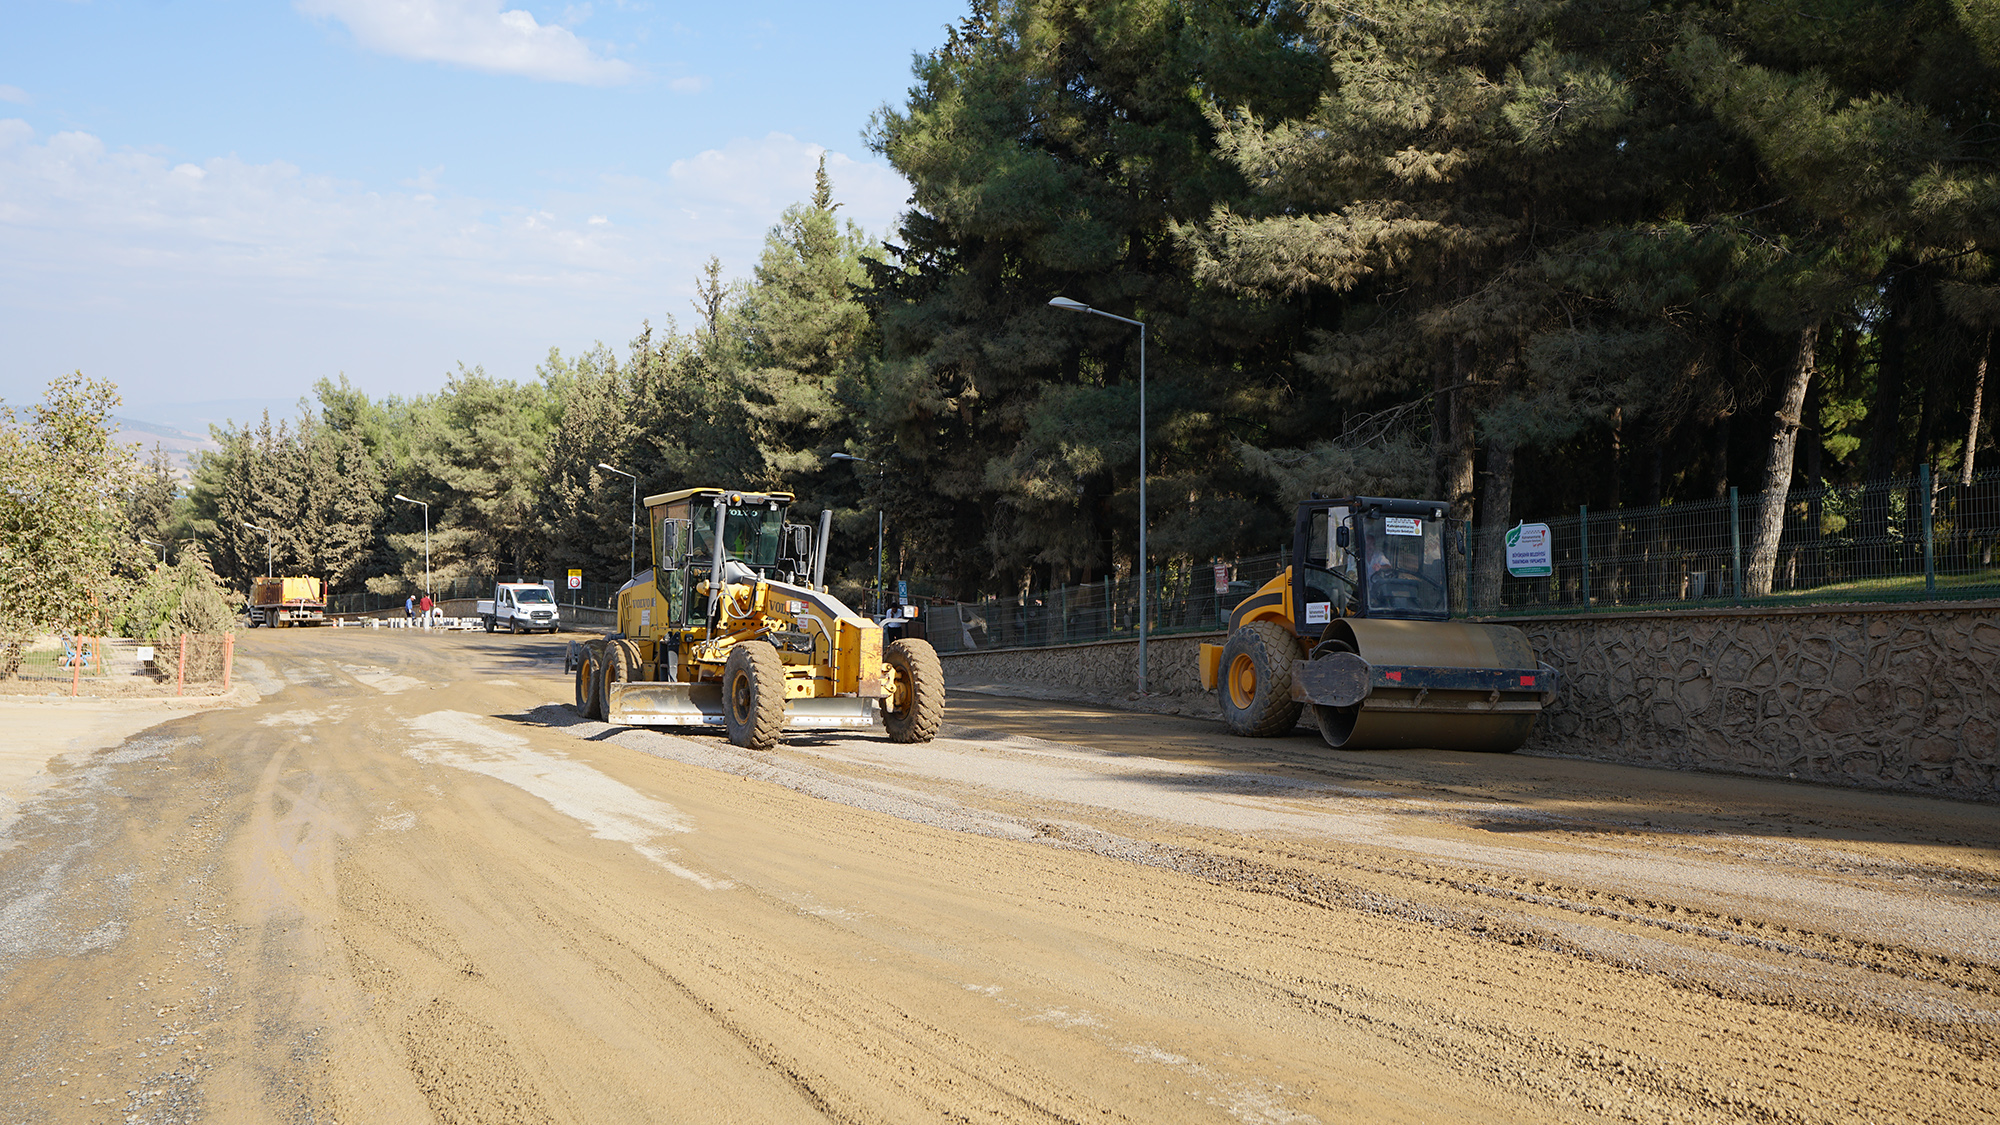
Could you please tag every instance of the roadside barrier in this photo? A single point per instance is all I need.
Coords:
(203, 658)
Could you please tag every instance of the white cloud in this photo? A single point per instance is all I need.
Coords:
(755, 180)
(693, 84)
(476, 34)
(14, 94)
(220, 278)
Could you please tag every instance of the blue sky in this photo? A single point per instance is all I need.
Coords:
(216, 203)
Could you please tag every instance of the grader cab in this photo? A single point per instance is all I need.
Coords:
(733, 627)
(1359, 629)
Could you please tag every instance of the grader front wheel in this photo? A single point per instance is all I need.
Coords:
(916, 703)
(1256, 687)
(753, 695)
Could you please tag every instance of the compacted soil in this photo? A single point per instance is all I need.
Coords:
(409, 884)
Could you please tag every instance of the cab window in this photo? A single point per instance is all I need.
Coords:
(749, 535)
(1405, 563)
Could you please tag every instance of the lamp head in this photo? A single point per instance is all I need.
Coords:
(1066, 303)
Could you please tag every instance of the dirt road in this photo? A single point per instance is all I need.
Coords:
(408, 885)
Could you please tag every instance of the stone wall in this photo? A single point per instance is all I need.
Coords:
(1900, 697)
(1890, 697)
(1101, 668)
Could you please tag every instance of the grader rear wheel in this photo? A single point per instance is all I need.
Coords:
(618, 667)
(916, 703)
(753, 695)
(586, 686)
(1256, 693)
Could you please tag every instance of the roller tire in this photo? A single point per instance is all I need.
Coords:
(753, 695)
(920, 678)
(1256, 682)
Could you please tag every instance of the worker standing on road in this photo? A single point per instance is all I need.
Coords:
(424, 608)
(409, 607)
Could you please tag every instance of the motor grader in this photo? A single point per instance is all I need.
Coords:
(733, 627)
(1359, 629)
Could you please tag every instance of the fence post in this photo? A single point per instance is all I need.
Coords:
(76, 669)
(228, 657)
(1583, 531)
(1062, 613)
(1465, 530)
(1735, 547)
(180, 670)
(1930, 559)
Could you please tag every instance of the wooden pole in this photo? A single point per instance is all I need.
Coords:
(228, 657)
(180, 673)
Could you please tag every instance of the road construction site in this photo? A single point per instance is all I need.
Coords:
(406, 881)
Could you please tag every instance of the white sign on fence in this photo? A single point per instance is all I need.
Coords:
(576, 580)
(1221, 578)
(1530, 551)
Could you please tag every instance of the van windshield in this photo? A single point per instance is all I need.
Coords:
(533, 595)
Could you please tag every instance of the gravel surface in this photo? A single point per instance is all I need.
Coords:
(402, 881)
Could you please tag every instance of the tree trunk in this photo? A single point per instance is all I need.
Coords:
(1978, 402)
(1778, 476)
(1495, 513)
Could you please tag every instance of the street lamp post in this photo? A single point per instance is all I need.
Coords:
(632, 541)
(267, 547)
(1079, 306)
(878, 522)
(427, 539)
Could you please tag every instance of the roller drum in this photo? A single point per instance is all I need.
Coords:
(1497, 715)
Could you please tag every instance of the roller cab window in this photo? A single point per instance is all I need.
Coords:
(1404, 572)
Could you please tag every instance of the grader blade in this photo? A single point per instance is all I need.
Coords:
(644, 704)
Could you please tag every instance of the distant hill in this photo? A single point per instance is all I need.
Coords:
(179, 444)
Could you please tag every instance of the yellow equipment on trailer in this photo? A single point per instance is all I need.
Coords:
(733, 627)
(1359, 629)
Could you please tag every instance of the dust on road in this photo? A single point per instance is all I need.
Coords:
(409, 884)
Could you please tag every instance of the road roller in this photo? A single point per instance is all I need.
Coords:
(1359, 629)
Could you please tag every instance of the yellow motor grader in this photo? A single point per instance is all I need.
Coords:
(1359, 629)
(733, 627)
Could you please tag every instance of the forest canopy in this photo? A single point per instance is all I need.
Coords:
(1518, 256)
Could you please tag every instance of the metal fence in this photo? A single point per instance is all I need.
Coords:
(1906, 539)
(1893, 540)
(593, 595)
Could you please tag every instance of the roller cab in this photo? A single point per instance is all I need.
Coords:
(1359, 629)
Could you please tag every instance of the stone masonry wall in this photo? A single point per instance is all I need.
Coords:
(1899, 697)
(1889, 697)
